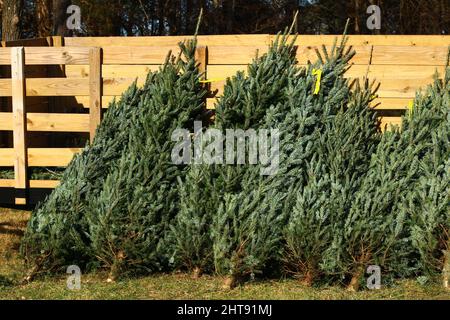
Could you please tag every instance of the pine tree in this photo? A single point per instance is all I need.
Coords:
(121, 191)
(339, 149)
(427, 205)
(376, 229)
(190, 232)
(245, 226)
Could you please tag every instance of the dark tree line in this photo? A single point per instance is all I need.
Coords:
(37, 18)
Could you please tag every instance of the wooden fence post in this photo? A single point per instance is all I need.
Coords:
(19, 123)
(95, 90)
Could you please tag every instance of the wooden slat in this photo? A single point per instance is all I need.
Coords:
(48, 184)
(40, 157)
(117, 86)
(19, 119)
(380, 72)
(5, 56)
(203, 40)
(51, 157)
(95, 91)
(234, 54)
(57, 87)
(7, 183)
(376, 40)
(5, 87)
(113, 70)
(6, 157)
(395, 88)
(6, 121)
(391, 103)
(137, 55)
(58, 122)
(57, 55)
(83, 101)
(400, 55)
(308, 53)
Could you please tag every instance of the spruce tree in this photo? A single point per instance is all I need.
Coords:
(339, 147)
(427, 205)
(245, 228)
(121, 193)
(376, 229)
(209, 205)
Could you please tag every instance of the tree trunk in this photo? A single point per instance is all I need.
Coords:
(60, 16)
(197, 272)
(354, 282)
(230, 282)
(308, 279)
(11, 15)
(43, 18)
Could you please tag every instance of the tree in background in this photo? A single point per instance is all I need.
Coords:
(11, 19)
(177, 17)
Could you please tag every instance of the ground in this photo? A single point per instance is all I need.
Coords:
(168, 286)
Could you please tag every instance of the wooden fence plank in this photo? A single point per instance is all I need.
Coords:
(203, 40)
(83, 101)
(51, 157)
(95, 90)
(56, 55)
(234, 54)
(58, 122)
(117, 86)
(113, 70)
(137, 55)
(5, 56)
(376, 40)
(50, 184)
(7, 157)
(5, 87)
(40, 157)
(400, 55)
(6, 121)
(19, 122)
(57, 87)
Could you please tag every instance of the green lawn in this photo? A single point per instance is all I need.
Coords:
(168, 286)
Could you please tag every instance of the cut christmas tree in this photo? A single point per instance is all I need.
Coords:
(118, 197)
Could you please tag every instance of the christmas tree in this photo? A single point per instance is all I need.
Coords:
(377, 229)
(118, 197)
(211, 206)
(326, 164)
(427, 204)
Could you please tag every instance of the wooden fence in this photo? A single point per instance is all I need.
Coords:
(90, 72)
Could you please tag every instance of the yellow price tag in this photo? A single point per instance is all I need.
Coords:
(410, 108)
(318, 74)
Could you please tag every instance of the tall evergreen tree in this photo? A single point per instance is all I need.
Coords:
(376, 229)
(329, 161)
(122, 188)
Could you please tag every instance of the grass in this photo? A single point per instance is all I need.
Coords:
(168, 286)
